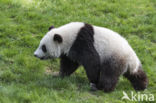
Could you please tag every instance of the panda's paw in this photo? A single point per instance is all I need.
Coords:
(93, 87)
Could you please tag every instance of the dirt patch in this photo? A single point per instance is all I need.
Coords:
(49, 71)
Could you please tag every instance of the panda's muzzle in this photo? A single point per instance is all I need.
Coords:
(42, 58)
(35, 55)
(45, 58)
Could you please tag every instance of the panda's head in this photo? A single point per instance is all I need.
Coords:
(49, 46)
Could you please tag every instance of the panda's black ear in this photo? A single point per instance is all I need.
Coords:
(51, 27)
(57, 38)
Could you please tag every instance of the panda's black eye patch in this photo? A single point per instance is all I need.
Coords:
(44, 48)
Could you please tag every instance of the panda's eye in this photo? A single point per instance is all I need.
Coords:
(44, 48)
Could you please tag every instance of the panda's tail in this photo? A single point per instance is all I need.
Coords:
(135, 73)
(137, 77)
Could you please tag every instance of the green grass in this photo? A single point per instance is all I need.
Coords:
(24, 78)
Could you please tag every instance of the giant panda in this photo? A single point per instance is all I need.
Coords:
(104, 54)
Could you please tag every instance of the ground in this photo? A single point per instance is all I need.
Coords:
(26, 79)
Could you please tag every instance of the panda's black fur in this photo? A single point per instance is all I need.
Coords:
(85, 54)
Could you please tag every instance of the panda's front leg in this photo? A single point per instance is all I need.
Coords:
(67, 66)
(92, 67)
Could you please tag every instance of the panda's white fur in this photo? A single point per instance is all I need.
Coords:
(106, 42)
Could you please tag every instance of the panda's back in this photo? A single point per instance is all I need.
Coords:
(109, 43)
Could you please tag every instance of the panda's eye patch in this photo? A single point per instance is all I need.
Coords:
(44, 48)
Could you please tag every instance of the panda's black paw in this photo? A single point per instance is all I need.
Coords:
(93, 87)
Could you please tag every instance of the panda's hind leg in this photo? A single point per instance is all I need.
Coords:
(138, 79)
(110, 71)
(107, 82)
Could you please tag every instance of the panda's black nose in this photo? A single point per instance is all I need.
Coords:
(35, 55)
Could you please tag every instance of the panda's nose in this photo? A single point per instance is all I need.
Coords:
(35, 55)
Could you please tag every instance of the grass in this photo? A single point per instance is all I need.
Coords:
(26, 79)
